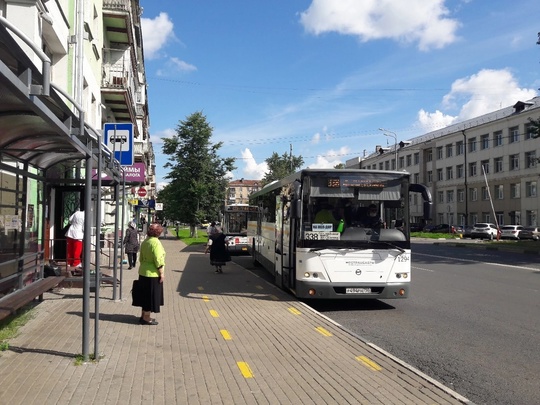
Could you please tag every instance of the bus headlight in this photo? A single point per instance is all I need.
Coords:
(402, 275)
(307, 275)
(311, 275)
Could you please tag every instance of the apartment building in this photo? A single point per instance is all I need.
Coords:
(67, 68)
(239, 191)
(484, 169)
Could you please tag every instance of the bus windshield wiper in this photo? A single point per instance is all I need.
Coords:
(389, 244)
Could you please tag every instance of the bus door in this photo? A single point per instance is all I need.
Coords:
(285, 276)
(279, 251)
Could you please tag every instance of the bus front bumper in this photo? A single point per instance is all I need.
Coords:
(317, 290)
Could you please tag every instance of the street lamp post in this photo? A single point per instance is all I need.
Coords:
(393, 135)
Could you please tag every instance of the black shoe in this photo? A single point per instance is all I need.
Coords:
(152, 322)
(129, 268)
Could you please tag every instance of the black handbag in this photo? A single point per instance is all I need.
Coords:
(136, 294)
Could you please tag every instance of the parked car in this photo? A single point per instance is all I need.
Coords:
(416, 227)
(511, 231)
(484, 230)
(467, 230)
(457, 229)
(530, 232)
(428, 228)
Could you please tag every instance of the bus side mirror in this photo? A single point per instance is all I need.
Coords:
(296, 208)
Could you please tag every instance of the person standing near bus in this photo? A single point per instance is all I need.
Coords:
(217, 246)
(74, 239)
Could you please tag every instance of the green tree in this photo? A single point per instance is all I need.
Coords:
(535, 126)
(339, 166)
(281, 166)
(197, 174)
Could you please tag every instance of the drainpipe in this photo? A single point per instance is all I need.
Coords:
(465, 173)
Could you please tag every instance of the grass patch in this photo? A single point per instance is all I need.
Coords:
(79, 359)
(9, 327)
(201, 238)
(430, 235)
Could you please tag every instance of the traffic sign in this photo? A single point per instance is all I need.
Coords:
(119, 139)
(142, 192)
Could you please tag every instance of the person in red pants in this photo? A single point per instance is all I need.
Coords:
(74, 237)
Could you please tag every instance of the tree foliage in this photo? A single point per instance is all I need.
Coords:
(534, 125)
(197, 175)
(281, 166)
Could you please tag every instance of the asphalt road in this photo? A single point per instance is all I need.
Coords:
(472, 321)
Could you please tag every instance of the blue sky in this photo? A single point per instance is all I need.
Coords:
(325, 75)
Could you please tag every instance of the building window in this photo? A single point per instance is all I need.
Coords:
(439, 153)
(460, 148)
(461, 195)
(529, 132)
(530, 189)
(387, 165)
(514, 162)
(401, 162)
(499, 194)
(484, 142)
(485, 193)
(449, 173)
(430, 176)
(460, 171)
(417, 158)
(530, 217)
(485, 166)
(472, 169)
(497, 138)
(381, 167)
(429, 156)
(450, 196)
(440, 197)
(440, 175)
(472, 145)
(515, 190)
(498, 163)
(513, 135)
(449, 151)
(416, 178)
(394, 164)
(473, 194)
(409, 160)
(530, 159)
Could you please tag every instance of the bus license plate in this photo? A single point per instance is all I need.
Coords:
(357, 290)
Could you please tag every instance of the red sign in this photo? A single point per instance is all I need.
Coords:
(142, 192)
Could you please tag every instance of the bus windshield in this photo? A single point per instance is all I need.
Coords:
(353, 208)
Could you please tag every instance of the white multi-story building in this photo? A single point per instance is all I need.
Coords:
(484, 169)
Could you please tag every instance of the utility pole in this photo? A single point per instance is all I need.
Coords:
(393, 135)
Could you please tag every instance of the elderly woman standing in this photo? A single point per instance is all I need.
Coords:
(131, 244)
(151, 274)
(217, 245)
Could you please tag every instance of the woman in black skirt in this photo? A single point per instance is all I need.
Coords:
(219, 253)
(151, 274)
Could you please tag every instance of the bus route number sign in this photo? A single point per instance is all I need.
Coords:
(322, 235)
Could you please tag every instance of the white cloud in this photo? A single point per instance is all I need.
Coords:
(253, 170)
(156, 137)
(331, 158)
(316, 138)
(182, 66)
(422, 21)
(156, 33)
(484, 92)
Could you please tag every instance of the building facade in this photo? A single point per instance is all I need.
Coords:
(239, 191)
(67, 68)
(484, 169)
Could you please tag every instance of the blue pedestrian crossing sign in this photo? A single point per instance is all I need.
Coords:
(118, 137)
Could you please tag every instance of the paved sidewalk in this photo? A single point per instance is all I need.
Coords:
(228, 338)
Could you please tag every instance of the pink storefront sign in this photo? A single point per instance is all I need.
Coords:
(134, 174)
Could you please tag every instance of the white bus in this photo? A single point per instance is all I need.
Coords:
(341, 257)
(235, 222)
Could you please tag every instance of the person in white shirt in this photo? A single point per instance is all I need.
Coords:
(74, 237)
